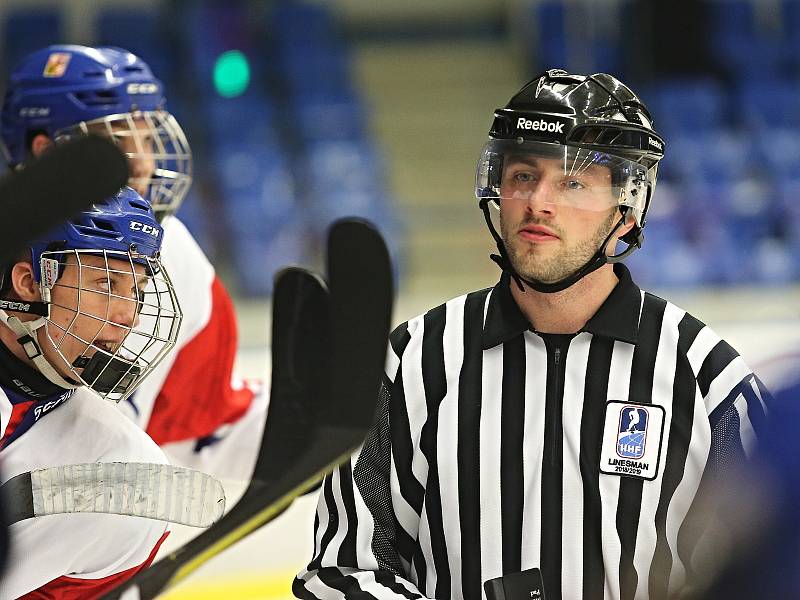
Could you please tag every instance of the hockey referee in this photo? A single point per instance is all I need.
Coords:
(552, 436)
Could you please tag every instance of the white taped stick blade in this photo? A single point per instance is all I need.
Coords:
(152, 491)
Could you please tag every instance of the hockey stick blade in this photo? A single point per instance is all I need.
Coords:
(300, 318)
(64, 181)
(155, 491)
(308, 432)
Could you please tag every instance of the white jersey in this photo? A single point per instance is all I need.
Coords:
(192, 275)
(76, 555)
(191, 405)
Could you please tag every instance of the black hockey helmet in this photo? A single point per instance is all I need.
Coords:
(584, 121)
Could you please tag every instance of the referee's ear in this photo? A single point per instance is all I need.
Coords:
(627, 225)
(630, 222)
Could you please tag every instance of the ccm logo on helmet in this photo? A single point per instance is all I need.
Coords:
(34, 111)
(523, 123)
(136, 226)
(142, 88)
(11, 305)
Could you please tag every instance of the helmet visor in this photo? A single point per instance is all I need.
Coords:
(159, 157)
(516, 170)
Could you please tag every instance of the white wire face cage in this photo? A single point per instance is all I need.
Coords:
(113, 316)
(159, 156)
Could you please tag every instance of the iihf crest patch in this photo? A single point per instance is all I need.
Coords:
(632, 437)
(57, 64)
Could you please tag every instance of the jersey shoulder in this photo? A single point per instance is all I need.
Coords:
(85, 429)
(182, 256)
(83, 546)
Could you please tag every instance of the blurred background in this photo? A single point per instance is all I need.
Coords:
(299, 112)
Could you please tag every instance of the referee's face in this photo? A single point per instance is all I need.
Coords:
(551, 222)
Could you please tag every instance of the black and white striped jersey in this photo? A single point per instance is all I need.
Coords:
(497, 449)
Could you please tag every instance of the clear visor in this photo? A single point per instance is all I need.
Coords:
(113, 317)
(159, 157)
(524, 171)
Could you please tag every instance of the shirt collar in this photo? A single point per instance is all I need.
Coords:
(25, 382)
(617, 318)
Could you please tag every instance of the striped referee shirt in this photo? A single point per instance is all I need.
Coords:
(498, 449)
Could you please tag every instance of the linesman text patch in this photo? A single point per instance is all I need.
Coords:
(632, 436)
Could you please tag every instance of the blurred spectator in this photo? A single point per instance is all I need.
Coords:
(763, 528)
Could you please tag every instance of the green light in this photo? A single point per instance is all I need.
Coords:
(231, 74)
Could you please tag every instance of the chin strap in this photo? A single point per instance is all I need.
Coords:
(599, 258)
(27, 332)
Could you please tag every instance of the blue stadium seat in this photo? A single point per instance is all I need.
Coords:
(688, 107)
(770, 102)
(255, 186)
(599, 47)
(710, 156)
(772, 262)
(334, 166)
(333, 120)
(28, 29)
(259, 257)
(317, 76)
(787, 194)
(779, 150)
(743, 43)
(140, 31)
(297, 23)
(245, 119)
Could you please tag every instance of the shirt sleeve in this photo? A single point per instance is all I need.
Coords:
(359, 549)
(737, 403)
(65, 556)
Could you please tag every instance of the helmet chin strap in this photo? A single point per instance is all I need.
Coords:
(27, 332)
(599, 258)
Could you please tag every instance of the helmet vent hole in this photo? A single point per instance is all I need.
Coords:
(97, 228)
(98, 98)
(140, 204)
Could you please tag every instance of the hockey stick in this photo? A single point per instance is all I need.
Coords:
(327, 366)
(154, 491)
(65, 181)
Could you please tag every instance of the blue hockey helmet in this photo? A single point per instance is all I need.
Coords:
(64, 91)
(124, 224)
(118, 284)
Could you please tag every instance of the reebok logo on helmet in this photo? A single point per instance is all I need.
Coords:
(656, 144)
(541, 125)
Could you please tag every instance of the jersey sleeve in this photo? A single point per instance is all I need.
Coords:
(360, 542)
(77, 588)
(736, 403)
(735, 399)
(73, 556)
(198, 396)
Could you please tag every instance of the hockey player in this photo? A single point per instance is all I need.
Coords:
(87, 313)
(189, 406)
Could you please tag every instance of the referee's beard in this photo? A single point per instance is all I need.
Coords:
(549, 262)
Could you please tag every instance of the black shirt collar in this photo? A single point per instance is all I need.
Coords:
(617, 317)
(24, 380)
